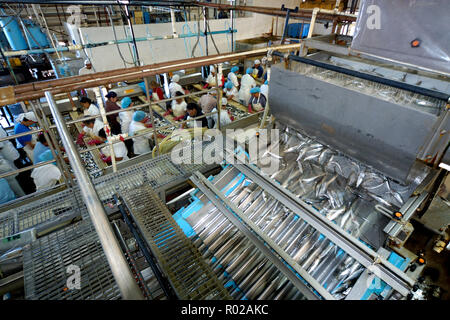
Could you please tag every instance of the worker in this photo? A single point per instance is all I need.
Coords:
(178, 107)
(91, 128)
(111, 105)
(87, 69)
(230, 91)
(47, 175)
(258, 69)
(194, 111)
(258, 100)
(157, 94)
(247, 83)
(143, 143)
(41, 145)
(232, 76)
(225, 117)
(7, 150)
(6, 194)
(120, 149)
(23, 123)
(7, 167)
(174, 87)
(89, 109)
(125, 119)
(208, 102)
(211, 80)
(265, 89)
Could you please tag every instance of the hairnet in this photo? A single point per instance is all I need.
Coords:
(257, 61)
(235, 69)
(229, 85)
(125, 102)
(255, 90)
(249, 70)
(46, 156)
(176, 78)
(224, 101)
(138, 115)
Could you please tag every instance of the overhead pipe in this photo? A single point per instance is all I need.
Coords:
(37, 90)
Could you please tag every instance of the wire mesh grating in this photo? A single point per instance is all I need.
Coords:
(47, 259)
(190, 276)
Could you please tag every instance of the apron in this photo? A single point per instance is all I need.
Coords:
(257, 106)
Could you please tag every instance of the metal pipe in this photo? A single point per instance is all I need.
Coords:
(37, 90)
(137, 61)
(119, 266)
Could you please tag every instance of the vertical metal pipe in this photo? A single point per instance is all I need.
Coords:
(206, 29)
(232, 28)
(132, 35)
(219, 96)
(152, 119)
(119, 266)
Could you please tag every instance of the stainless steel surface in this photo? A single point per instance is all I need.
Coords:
(362, 126)
(116, 259)
(360, 252)
(211, 192)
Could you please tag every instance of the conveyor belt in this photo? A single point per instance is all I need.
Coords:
(189, 275)
(46, 261)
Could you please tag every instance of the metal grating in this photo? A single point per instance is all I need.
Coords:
(40, 211)
(46, 261)
(183, 264)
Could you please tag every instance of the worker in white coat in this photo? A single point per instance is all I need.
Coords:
(7, 167)
(178, 107)
(247, 83)
(7, 149)
(225, 117)
(87, 69)
(23, 123)
(120, 149)
(141, 144)
(265, 89)
(48, 175)
(126, 117)
(232, 76)
(231, 92)
(174, 87)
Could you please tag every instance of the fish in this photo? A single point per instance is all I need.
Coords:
(379, 199)
(334, 213)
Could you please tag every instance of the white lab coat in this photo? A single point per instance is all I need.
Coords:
(224, 118)
(179, 109)
(233, 78)
(7, 149)
(91, 111)
(141, 144)
(247, 83)
(265, 90)
(120, 150)
(46, 176)
(232, 92)
(174, 88)
(98, 125)
(6, 167)
(125, 119)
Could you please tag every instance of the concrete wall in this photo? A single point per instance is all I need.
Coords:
(107, 57)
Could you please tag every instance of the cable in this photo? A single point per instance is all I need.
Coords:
(212, 38)
(115, 38)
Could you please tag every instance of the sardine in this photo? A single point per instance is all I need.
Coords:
(379, 199)
(334, 213)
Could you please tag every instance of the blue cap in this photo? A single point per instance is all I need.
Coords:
(125, 102)
(255, 90)
(46, 156)
(229, 85)
(266, 82)
(138, 115)
(249, 70)
(235, 69)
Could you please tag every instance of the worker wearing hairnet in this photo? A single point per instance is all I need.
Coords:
(48, 175)
(7, 167)
(141, 144)
(225, 117)
(211, 80)
(87, 69)
(257, 102)
(119, 147)
(7, 149)
(126, 117)
(258, 69)
(231, 92)
(23, 123)
(174, 87)
(232, 76)
(178, 107)
(247, 83)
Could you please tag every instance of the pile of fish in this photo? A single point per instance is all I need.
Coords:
(236, 113)
(89, 164)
